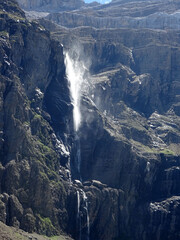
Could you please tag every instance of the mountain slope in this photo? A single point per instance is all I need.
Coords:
(129, 137)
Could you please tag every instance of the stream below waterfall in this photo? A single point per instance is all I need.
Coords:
(82, 221)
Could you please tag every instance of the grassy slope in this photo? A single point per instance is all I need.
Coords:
(11, 233)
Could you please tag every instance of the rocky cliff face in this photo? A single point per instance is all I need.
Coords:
(129, 135)
(30, 161)
(123, 14)
(131, 123)
(36, 123)
(43, 5)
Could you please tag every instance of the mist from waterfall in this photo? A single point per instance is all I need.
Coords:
(77, 75)
(75, 71)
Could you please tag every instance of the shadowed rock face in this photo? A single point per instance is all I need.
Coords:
(129, 136)
(142, 166)
(29, 150)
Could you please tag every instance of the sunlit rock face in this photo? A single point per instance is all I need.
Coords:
(123, 14)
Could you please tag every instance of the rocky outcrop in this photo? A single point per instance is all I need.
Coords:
(102, 224)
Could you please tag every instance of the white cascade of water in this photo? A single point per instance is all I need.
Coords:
(75, 71)
(78, 214)
(78, 203)
(82, 223)
(87, 214)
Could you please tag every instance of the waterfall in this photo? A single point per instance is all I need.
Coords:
(78, 215)
(87, 214)
(75, 71)
(82, 221)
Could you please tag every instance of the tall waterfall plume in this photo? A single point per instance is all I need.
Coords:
(75, 70)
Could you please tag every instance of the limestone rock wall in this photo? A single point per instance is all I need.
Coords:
(49, 5)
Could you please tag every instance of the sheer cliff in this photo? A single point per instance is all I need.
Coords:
(33, 194)
(117, 177)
